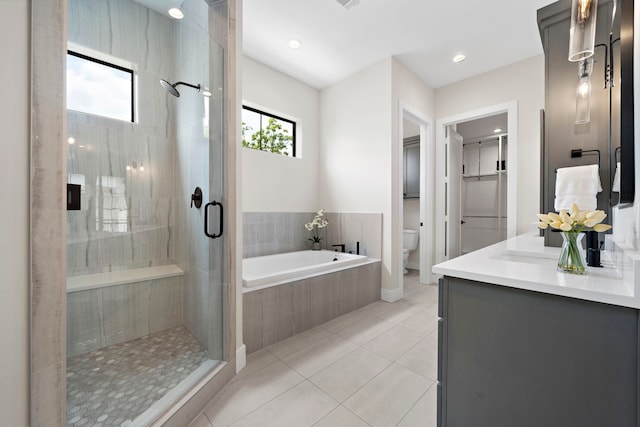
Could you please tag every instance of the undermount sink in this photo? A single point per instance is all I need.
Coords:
(527, 259)
(540, 256)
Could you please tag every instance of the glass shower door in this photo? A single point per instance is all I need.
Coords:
(146, 280)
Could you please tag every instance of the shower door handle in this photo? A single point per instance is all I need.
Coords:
(206, 219)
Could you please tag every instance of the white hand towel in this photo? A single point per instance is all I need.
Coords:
(579, 185)
(616, 179)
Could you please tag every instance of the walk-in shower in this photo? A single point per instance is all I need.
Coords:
(145, 284)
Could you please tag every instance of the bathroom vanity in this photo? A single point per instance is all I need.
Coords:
(521, 344)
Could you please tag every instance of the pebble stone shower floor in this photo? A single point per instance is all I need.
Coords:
(114, 385)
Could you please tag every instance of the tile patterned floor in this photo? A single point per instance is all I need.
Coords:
(375, 366)
(113, 385)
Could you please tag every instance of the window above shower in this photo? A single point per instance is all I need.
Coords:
(100, 86)
(267, 132)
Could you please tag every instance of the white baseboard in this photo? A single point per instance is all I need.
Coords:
(391, 295)
(241, 358)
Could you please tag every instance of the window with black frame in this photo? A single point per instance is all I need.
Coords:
(267, 132)
(99, 87)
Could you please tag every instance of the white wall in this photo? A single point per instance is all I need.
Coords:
(14, 193)
(416, 95)
(271, 182)
(524, 82)
(361, 147)
(355, 160)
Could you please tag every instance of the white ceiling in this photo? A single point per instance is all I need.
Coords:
(480, 128)
(422, 34)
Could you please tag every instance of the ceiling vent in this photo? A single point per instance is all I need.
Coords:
(348, 4)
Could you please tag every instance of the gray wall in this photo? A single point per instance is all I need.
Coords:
(126, 30)
(179, 145)
(101, 317)
(561, 134)
(267, 233)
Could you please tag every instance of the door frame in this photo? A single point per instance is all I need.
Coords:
(511, 108)
(453, 223)
(427, 200)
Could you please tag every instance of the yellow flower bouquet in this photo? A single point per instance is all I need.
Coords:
(572, 224)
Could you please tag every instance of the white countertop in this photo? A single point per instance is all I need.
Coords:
(524, 262)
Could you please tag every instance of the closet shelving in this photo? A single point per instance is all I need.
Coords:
(485, 157)
(484, 191)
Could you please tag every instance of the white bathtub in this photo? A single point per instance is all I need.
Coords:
(271, 270)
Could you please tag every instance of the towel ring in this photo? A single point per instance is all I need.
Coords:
(578, 152)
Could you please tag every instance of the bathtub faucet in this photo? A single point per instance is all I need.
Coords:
(341, 246)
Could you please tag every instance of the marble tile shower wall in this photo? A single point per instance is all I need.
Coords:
(102, 317)
(267, 233)
(143, 233)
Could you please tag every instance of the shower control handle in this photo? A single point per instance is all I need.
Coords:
(206, 220)
(196, 198)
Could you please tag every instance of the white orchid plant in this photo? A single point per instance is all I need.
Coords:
(574, 221)
(318, 222)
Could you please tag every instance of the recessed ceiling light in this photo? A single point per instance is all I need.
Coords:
(459, 58)
(348, 4)
(294, 44)
(71, 140)
(176, 13)
(497, 130)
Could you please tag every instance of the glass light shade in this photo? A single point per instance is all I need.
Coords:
(582, 35)
(583, 92)
(583, 101)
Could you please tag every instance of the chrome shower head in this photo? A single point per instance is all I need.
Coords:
(171, 88)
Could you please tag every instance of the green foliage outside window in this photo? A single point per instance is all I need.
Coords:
(272, 138)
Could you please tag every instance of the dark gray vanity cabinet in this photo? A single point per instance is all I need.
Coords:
(510, 357)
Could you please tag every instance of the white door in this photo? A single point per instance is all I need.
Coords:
(453, 182)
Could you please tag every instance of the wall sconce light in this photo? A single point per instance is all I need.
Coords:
(583, 92)
(582, 35)
(134, 166)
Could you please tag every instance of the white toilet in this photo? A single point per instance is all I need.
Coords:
(409, 243)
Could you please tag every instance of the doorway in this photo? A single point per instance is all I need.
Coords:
(417, 213)
(475, 192)
(483, 201)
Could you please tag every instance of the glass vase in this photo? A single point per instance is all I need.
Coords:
(572, 257)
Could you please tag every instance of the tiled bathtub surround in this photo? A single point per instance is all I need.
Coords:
(273, 314)
(267, 233)
(116, 384)
(101, 317)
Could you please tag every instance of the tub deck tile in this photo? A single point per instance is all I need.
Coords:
(273, 314)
